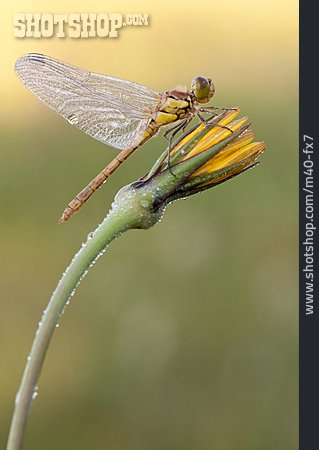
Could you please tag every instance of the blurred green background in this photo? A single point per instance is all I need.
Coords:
(183, 337)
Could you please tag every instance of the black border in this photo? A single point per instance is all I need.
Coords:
(308, 323)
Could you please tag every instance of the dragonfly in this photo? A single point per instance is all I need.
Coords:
(120, 113)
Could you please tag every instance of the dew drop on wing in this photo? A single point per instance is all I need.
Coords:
(73, 119)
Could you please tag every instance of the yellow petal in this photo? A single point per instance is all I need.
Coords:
(187, 138)
(226, 175)
(232, 148)
(245, 138)
(238, 169)
(228, 117)
(229, 157)
(214, 136)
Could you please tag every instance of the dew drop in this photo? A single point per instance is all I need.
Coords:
(73, 119)
(17, 399)
(35, 393)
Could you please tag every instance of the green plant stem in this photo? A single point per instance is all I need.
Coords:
(139, 205)
(118, 221)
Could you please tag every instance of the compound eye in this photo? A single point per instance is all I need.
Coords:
(201, 88)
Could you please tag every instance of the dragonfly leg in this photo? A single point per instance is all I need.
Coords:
(221, 108)
(206, 121)
(202, 119)
(174, 130)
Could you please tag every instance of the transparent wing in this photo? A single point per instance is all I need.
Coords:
(113, 111)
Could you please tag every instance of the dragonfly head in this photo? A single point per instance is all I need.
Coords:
(203, 89)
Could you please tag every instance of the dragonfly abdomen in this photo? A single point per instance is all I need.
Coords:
(83, 196)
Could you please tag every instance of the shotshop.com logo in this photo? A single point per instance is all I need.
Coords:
(84, 25)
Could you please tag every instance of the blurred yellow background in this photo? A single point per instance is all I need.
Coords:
(183, 337)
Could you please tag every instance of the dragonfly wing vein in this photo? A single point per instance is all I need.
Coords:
(113, 111)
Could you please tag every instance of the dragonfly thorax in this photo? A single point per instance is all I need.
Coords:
(175, 106)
